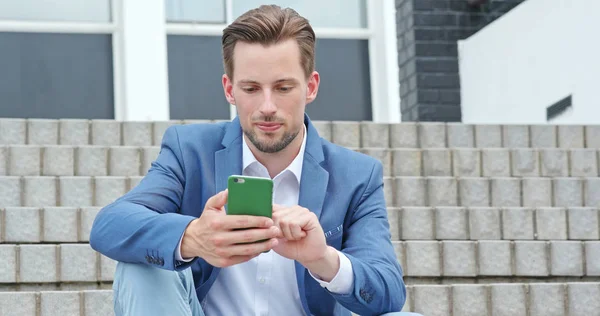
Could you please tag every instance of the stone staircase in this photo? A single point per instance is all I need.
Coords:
(486, 219)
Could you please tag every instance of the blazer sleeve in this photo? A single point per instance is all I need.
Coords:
(378, 278)
(144, 226)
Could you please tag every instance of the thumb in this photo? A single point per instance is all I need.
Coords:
(217, 201)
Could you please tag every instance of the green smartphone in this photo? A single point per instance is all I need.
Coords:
(250, 196)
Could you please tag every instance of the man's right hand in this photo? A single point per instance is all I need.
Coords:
(213, 237)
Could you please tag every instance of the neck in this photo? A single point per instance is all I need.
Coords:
(277, 162)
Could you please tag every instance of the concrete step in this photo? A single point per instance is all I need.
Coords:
(62, 160)
(73, 224)
(498, 258)
(57, 303)
(46, 225)
(124, 160)
(53, 264)
(492, 191)
(493, 223)
(79, 191)
(485, 219)
(41, 191)
(470, 260)
(533, 299)
(84, 132)
(516, 299)
(346, 133)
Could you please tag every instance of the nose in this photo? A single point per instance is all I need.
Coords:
(268, 106)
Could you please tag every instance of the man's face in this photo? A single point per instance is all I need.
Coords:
(270, 91)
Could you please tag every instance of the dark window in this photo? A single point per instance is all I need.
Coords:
(195, 70)
(196, 67)
(345, 89)
(46, 75)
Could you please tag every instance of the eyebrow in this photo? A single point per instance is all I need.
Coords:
(247, 81)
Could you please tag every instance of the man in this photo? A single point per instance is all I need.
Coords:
(327, 249)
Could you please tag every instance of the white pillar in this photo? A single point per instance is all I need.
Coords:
(141, 73)
(383, 61)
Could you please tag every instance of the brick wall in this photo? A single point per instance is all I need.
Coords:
(428, 31)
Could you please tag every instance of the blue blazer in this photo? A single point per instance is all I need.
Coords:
(342, 187)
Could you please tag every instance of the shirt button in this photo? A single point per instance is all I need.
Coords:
(262, 280)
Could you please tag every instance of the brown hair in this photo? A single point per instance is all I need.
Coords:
(267, 25)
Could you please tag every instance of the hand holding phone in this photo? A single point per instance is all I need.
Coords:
(217, 237)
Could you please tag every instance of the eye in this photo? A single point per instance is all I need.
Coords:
(285, 89)
(249, 89)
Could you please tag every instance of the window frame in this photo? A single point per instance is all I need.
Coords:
(134, 101)
(108, 28)
(381, 36)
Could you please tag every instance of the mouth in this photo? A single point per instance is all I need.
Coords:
(268, 127)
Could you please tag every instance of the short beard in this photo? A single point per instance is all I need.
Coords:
(271, 147)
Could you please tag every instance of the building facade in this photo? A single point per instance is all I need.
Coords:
(161, 60)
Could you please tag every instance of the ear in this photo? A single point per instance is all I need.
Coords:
(228, 89)
(312, 87)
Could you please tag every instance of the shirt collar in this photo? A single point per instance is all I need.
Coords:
(295, 167)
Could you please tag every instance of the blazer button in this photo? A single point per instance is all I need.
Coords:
(148, 259)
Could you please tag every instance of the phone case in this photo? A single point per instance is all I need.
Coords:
(250, 196)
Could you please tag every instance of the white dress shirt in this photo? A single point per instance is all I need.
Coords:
(266, 285)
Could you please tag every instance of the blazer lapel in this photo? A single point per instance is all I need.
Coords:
(313, 188)
(228, 161)
(315, 178)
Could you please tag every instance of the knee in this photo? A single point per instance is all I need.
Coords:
(141, 278)
(138, 272)
(137, 288)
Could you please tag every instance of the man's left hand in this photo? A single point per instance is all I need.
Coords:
(302, 239)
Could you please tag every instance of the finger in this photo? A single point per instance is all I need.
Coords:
(285, 229)
(252, 249)
(278, 208)
(226, 262)
(251, 235)
(217, 201)
(283, 213)
(297, 232)
(309, 222)
(283, 219)
(245, 221)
